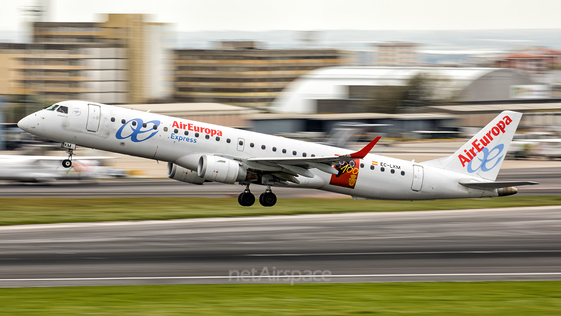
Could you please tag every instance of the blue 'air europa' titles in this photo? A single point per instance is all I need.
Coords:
(479, 144)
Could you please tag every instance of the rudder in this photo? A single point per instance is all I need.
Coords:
(484, 153)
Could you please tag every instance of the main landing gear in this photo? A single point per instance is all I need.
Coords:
(246, 198)
(267, 198)
(67, 163)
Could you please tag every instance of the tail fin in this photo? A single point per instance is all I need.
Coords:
(484, 153)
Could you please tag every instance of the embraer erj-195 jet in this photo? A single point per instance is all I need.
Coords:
(197, 152)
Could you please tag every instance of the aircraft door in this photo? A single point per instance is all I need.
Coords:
(241, 144)
(417, 178)
(94, 114)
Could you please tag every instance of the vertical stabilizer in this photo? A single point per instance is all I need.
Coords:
(485, 152)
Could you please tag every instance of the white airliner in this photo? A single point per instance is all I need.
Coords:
(46, 169)
(197, 152)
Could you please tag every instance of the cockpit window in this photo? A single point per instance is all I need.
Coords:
(52, 107)
(62, 109)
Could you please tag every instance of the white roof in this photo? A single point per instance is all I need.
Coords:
(191, 109)
(332, 83)
(396, 73)
(481, 108)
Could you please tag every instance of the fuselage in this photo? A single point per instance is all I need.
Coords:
(171, 139)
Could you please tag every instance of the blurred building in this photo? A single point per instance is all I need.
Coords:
(121, 60)
(242, 73)
(64, 71)
(533, 60)
(366, 89)
(397, 54)
(394, 125)
(213, 113)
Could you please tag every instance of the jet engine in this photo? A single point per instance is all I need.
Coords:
(220, 169)
(507, 191)
(179, 173)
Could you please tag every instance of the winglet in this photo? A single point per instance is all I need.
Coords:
(364, 151)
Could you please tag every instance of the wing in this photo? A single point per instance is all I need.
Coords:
(286, 168)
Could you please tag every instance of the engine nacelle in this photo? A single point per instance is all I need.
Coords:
(507, 191)
(219, 169)
(179, 173)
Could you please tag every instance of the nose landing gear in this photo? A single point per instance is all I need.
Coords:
(67, 163)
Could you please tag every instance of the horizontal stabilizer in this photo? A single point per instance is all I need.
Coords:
(495, 184)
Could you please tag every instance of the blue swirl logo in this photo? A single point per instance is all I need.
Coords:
(486, 159)
(137, 130)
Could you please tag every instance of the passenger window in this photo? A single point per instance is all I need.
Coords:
(186, 133)
(313, 155)
(207, 136)
(304, 155)
(144, 125)
(175, 131)
(123, 121)
(263, 147)
(382, 169)
(372, 167)
(284, 151)
(361, 165)
(112, 119)
(294, 152)
(274, 149)
(228, 140)
(196, 134)
(217, 138)
(252, 145)
(392, 171)
(155, 126)
(165, 129)
(133, 123)
(403, 173)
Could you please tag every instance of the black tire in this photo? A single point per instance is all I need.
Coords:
(268, 199)
(240, 199)
(246, 199)
(66, 163)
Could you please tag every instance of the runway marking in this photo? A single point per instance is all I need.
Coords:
(397, 253)
(220, 277)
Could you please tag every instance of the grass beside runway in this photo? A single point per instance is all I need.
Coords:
(14, 211)
(462, 298)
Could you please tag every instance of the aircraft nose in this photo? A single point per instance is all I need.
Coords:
(28, 123)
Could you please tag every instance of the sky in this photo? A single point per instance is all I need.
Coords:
(266, 15)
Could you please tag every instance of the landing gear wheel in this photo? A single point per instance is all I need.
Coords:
(67, 163)
(246, 198)
(268, 199)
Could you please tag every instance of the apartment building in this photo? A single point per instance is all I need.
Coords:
(53, 72)
(242, 73)
(397, 54)
(143, 45)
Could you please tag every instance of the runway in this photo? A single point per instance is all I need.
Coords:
(463, 245)
(547, 177)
